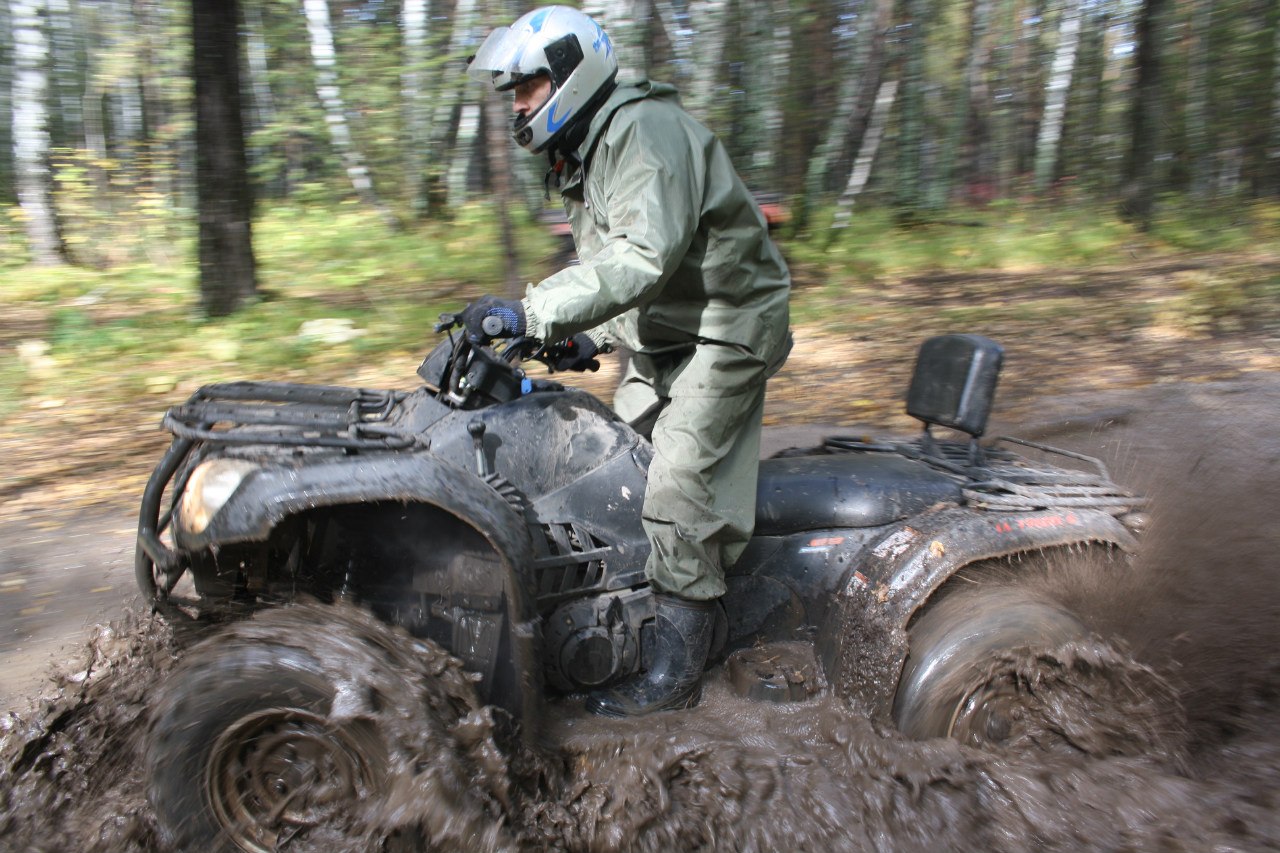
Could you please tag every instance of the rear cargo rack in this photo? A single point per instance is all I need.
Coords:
(289, 414)
(1005, 481)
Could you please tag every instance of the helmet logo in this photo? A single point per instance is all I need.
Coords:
(536, 22)
(602, 40)
(554, 124)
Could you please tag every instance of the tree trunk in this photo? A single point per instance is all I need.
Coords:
(463, 151)
(224, 197)
(909, 187)
(499, 150)
(1055, 100)
(866, 154)
(709, 20)
(827, 167)
(264, 107)
(325, 58)
(1272, 175)
(976, 170)
(1145, 111)
(66, 69)
(31, 132)
(1199, 70)
(416, 105)
(447, 111)
(7, 69)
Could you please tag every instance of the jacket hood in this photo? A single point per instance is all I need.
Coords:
(625, 93)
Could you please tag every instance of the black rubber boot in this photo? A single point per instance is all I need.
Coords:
(674, 679)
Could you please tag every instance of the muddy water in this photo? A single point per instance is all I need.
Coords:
(1198, 767)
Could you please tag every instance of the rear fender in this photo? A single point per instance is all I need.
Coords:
(864, 643)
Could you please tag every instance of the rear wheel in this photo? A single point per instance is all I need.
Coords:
(1000, 661)
(946, 689)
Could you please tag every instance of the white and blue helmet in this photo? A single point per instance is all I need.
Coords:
(562, 43)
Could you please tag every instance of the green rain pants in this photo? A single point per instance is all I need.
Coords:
(702, 410)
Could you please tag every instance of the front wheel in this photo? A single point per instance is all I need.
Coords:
(293, 726)
(246, 753)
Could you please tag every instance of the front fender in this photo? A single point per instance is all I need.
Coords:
(273, 493)
(865, 645)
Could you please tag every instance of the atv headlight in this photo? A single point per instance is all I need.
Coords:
(211, 485)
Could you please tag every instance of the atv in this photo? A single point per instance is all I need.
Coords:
(495, 515)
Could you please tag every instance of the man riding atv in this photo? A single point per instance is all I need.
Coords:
(677, 267)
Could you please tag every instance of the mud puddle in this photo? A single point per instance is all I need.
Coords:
(1198, 770)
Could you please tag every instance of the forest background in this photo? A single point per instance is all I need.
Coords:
(196, 191)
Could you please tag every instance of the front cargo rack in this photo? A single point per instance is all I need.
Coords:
(252, 413)
(284, 413)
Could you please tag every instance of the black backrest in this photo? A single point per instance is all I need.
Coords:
(954, 382)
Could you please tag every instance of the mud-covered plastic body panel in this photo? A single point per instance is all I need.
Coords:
(846, 490)
(862, 642)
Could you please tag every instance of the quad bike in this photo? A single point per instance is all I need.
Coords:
(497, 516)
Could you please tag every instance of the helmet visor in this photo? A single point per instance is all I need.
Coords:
(500, 53)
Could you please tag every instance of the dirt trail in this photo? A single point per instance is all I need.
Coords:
(1202, 606)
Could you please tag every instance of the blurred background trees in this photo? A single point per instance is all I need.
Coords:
(921, 106)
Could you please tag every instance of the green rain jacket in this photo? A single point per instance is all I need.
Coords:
(674, 250)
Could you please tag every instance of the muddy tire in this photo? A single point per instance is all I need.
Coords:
(289, 729)
(245, 752)
(946, 689)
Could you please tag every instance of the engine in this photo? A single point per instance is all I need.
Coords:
(593, 641)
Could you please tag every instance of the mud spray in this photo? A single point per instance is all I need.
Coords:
(1191, 760)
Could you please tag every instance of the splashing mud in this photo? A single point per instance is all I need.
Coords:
(1181, 752)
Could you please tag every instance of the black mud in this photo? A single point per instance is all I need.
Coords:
(1188, 760)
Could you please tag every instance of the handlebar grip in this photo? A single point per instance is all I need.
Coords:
(492, 325)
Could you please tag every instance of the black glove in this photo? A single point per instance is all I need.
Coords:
(577, 353)
(491, 317)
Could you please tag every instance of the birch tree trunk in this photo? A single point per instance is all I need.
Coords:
(866, 154)
(462, 157)
(1055, 101)
(447, 114)
(325, 58)
(263, 104)
(417, 109)
(848, 124)
(676, 26)
(31, 132)
(709, 19)
(6, 103)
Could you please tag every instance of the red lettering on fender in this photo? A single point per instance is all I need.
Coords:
(1037, 522)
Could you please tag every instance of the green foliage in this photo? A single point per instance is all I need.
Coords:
(130, 329)
(111, 211)
(1072, 247)
(1007, 236)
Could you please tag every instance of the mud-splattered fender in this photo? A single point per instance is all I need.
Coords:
(275, 492)
(865, 643)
